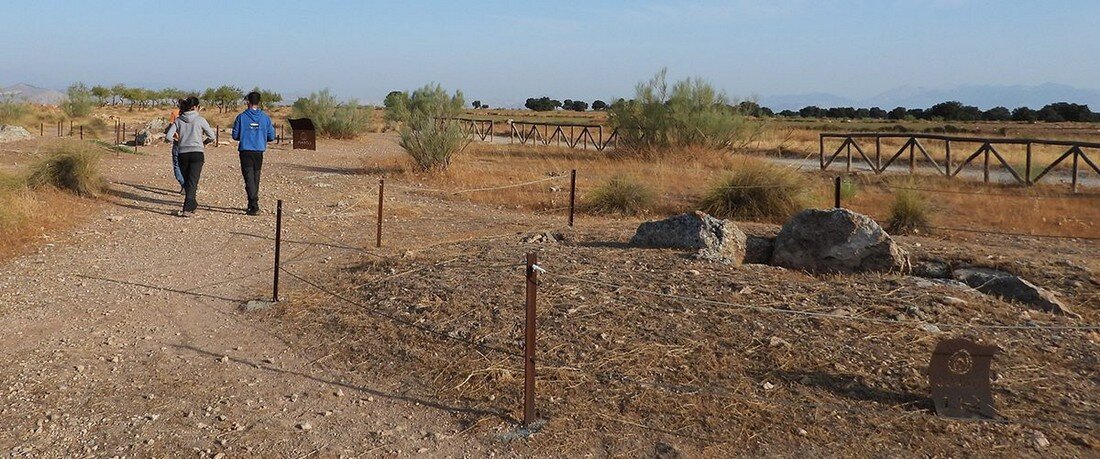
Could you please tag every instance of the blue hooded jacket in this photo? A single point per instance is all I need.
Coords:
(253, 129)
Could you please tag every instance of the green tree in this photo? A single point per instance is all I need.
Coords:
(102, 94)
(397, 107)
(268, 99)
(79, 101)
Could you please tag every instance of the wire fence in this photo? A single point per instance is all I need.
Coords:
(440, 334)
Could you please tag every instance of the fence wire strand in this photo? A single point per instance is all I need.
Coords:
(821, 315)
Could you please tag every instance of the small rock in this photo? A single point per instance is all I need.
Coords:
(952, 301)
(305, 426)
(224, 359)
(256, 305)
(801, 432)
(930, 328)
(776, 341)
(768, 385)
(1039, 440)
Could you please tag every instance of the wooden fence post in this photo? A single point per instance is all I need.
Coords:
(529, 342)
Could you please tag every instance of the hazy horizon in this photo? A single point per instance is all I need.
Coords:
(503, 52)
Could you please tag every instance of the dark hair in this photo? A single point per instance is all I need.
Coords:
(189, 104)
(253, 98)
(182, 105)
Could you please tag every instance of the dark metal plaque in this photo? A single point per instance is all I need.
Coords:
(959, 376)
(304, 134)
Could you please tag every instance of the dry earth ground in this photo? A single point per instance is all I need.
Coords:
(125, 336)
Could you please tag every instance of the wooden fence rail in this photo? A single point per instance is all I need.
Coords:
(563, 134)
(987, 147)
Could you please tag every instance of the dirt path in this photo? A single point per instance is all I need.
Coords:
(123, 338)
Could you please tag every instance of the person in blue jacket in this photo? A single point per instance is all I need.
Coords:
(253, 129)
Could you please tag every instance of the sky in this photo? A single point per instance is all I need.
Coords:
(502, 52)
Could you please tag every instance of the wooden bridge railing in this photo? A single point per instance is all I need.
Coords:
(564, 134)
(987, 148)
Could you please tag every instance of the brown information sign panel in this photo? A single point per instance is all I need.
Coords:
(959, 376)
(304, 134)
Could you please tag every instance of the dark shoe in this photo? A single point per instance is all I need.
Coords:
(252, 212)
(185, 214)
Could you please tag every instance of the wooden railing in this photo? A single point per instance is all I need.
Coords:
(563, 134)
(987, 148)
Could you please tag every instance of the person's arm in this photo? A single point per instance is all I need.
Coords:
(237, 128)
(207, 130)
(270, 130)
(170, 135)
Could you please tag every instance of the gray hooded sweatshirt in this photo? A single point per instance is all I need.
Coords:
(191, 128)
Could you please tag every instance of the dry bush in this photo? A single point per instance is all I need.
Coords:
(331, 118)
(429, 135)
(909, 212)
(11, 111)
(757, 190)
(69, 166)
(689, 114)
(621, 194)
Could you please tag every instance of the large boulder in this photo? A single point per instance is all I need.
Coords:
(157, 125)
(715, 240)
(9, 133)
(1011, 287)
(837, 241)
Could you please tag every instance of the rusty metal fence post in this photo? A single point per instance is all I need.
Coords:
(41, 129)
(278, 248)
(218, 136)
(81, 132)
(572, 195)
(836, 191)
(381, 194)
(529, 341)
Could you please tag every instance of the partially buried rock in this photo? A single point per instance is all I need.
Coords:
(932, 269)
(1011, 287)
(837, 241)
(715, 240)
(758, 249)
(9, 133)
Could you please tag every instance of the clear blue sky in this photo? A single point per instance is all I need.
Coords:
(508, 50)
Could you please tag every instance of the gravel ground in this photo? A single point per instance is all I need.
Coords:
(125, 336)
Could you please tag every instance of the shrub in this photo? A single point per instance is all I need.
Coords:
(690, 114)
(430, 135)
(70, 166)
(757, 190)
(848, 189)
(621, 195)
(11, 110)
(908, 213)
(79, 101)
(331, 118)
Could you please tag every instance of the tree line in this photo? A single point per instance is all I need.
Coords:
(954, 111)
(224, 97)
(945, 111)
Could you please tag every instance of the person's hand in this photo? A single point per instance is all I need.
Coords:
(176, 137)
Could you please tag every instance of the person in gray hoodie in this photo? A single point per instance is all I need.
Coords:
(192, 133)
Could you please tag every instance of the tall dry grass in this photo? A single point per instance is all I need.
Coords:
(759, 191)
(69, 166)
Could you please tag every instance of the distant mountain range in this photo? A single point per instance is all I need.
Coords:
(33, 94)
(982, 96)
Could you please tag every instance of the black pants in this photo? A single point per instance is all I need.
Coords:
(251, 163)
(191, 168)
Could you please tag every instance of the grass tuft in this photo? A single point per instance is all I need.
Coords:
(621, 194)
(758, 191)
(908, 213)
(69, 166)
